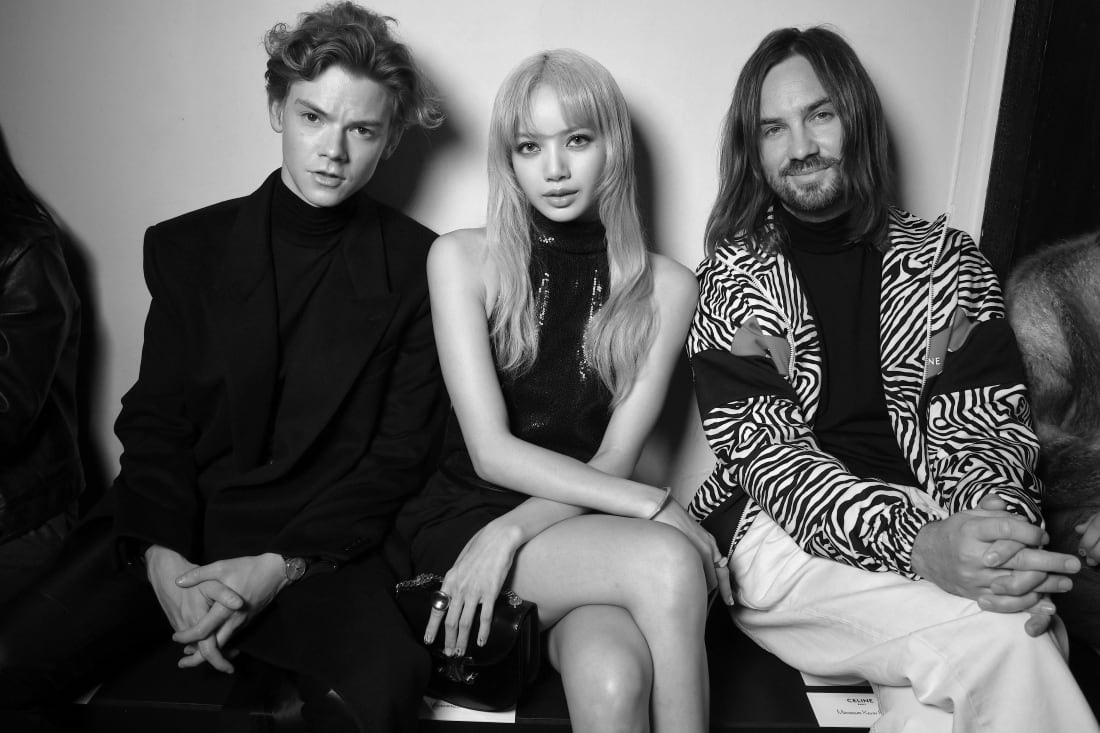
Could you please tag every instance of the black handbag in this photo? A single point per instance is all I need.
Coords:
(490, 677)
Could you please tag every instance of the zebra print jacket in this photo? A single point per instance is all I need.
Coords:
(953, 382)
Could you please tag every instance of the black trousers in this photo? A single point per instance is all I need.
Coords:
(340, 633)
(22, 558)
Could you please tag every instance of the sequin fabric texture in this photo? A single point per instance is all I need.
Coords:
(560, 402)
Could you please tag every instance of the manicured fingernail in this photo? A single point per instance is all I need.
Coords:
(1091, 562)
(992, 558)
(447, 651)
(480, 641)
(983, 603)
(730, 601)
(427, 639)
(1046, 608)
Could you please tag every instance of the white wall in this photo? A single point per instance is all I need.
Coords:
(121, 113)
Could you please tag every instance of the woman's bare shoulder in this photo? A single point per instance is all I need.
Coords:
(462, 249)
(671, 279)
(465, 244)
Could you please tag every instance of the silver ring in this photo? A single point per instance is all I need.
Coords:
(440, 601)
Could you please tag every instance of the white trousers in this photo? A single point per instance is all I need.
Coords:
(936, 660)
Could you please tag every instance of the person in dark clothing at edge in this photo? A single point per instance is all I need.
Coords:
(288, 401)
(40, 470)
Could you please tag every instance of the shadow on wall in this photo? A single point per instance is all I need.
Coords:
(647, 184)
(659, 458)
(896, 195)
(89, 367)
(397, 178)
(659, 462)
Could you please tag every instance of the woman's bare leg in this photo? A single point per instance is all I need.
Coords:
(605, 668)
(652, 572)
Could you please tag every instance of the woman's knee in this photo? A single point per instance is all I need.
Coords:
(608, 686)
(673, 570)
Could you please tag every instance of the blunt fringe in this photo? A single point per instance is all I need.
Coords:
(620, 335)
(744, 196)
(360, 41)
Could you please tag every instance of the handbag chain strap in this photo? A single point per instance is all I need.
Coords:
(423, 579)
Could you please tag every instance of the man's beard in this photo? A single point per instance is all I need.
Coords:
(811, 198)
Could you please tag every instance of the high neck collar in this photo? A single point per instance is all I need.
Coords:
(832, 235)
(577, 236)
(308, 225)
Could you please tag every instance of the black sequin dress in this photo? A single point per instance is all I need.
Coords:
(559, 403)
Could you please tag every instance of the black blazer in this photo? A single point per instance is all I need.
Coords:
(362, 402)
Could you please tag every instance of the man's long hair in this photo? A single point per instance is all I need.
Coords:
(620, 334)
(744, 196)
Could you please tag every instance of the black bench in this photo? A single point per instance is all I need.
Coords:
(751, 690)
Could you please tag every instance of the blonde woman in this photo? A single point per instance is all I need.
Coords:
(557, 333)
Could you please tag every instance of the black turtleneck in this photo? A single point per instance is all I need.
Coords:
(579, 236)
(560, 402)
(305, 240)
(842, 279)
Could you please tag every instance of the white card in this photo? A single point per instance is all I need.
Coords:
(440, 710)
(844, 709)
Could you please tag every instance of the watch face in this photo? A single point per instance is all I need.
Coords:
(295, 568)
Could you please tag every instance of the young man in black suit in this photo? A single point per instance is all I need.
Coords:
(288, 401)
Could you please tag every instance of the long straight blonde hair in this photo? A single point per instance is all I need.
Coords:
(620, 335)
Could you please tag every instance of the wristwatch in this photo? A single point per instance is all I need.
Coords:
(296, 567)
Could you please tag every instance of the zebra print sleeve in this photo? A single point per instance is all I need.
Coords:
(980, 437)
(755, 423)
